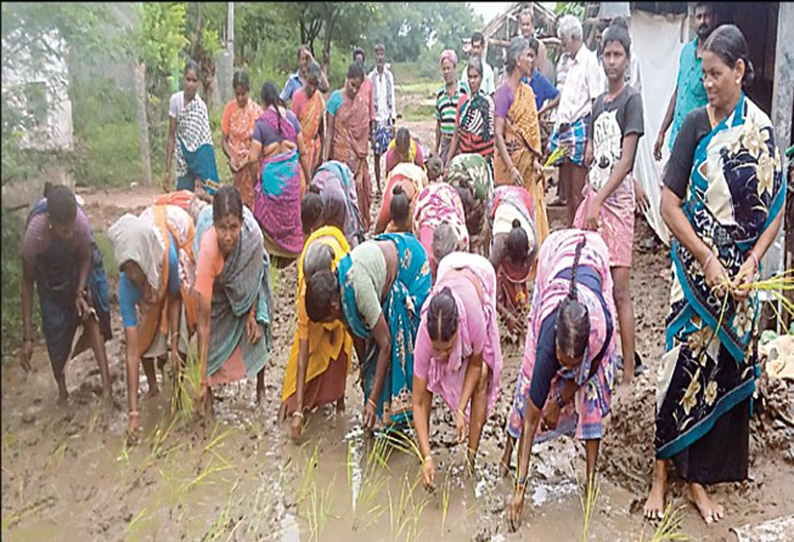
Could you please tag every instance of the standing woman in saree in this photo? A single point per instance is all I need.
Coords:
(518, 160)
(474, 120)
(472, 173)
(239, 119)
(723, 201)
(565, 383)
(155, 255)
(512, 245)
(190, 140)
(234, 298)
(319, 360)
(347, 139)
(436, 204)
(60, 256)
(378, 290)
(335, 184)
(309, 106)
(278, 151)
(458, 354)
(411, 179)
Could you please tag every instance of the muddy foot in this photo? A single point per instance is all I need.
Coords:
(153, 392)
(654, 506)
(709, 510)
(133, 429)
(63, 398)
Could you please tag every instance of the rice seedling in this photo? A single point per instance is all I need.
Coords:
(132, 531)
(203, 475)
(12, 518)
(558, 154)
(445, 490)
(56, 457)
(92, 421)
(407, 510)
(669, 528)
(187, 385)
(222, 522)
(588, 502)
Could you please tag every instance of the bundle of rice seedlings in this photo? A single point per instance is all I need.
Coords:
(669, 528)
(558, 154)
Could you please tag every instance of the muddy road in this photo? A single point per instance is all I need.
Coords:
(67, 473)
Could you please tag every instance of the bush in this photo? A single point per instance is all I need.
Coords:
(13, 227)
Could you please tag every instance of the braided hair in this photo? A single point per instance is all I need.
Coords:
(442, 316)
(572, 326)
(270, 96)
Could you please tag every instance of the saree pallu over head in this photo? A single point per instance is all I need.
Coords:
(474, 171)
(593, 398)
(736, 189)
(245, 280)
(446, 377)
(57, 277)
(476, 133)
(351, 145)
(506, 204)
(522, 138)
(146, 240)
(195, 153)
(326, 340)
(401, 310)
(278, 194)
(412, 179)
(335, 181)
(310, 118)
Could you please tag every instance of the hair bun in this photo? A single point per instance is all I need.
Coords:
(516, 223)
(47, 188)
(314, 189)
(397, 190)
(749, 74)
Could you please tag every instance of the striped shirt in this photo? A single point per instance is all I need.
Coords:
(446, 108)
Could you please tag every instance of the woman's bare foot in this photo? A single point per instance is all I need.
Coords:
(133, 428)
(710, 510)
(654, 506)
(504, 464)
(154, 391)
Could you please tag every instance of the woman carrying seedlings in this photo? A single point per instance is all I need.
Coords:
(616, 125)
(320, 356)
(474, 119)
(239, 119)
(378, 290)
(436, 204)
(518, 158)
(190, 140)
(234, 300)
(565, 383)
(471, 173)
(309, 106)
(347, 139)
(155, 255)
(457, 353)
(277, 150)
(60, 256)
(512, 245)
(411, 179)
(723, 201)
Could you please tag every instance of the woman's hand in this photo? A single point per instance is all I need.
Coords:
(25, 353)
(167, 182)
(83, 309)
(370, 414)
(591, 218)
(741, 283)
(551, 415)
(657, 147)
(296, 427)
(460, 425)
(514, 511)
(252, 329)
(716, 276)
(515, 175)
(429, 474)
(641, 198)
(588, 153)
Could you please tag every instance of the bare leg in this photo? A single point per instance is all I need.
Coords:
(504, 465)
(622, 294)
(654, 506)
(479, 407)
(709, 510)
(575, 186)
(260, 387)
(340, 405)
(132, 396)
(63, 394)
(98, 346)
(377, 171)
(566, 171)
(151, 377)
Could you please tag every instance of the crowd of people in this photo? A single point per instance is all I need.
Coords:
(459, 258)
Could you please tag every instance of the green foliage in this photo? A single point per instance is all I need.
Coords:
(13, 227)
(576, 9)
(162, 35)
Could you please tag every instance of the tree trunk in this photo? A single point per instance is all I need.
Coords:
(143, 126)
(329, 31)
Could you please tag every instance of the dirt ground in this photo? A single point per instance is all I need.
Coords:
(68, 474)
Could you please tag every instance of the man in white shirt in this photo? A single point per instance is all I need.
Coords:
(477, 49)
(583, 84)
(385, 107)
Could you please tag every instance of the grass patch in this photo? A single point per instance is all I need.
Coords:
(418, 112)
(108, 261)
(13, 227)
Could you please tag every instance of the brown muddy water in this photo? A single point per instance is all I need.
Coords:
(68, 475)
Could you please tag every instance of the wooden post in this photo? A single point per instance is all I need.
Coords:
(143, 126)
